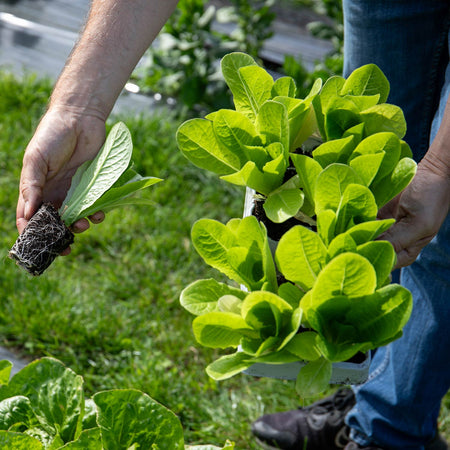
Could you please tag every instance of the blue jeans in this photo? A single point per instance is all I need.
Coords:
(398, 407)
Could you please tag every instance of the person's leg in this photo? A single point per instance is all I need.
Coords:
(407, 40)
(398, 407)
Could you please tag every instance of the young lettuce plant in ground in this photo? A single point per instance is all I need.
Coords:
(333, 302)
(102, 184)
(43, 407)
(271, 131)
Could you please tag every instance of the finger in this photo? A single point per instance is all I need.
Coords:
(408, 255)
(66, 252)
(25, 209)
(406, 242)
(97, 217)
(80, 226)
(21, 223)
(30, 190)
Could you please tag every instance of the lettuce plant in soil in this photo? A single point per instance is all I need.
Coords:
(102, 184)
(328, 161)
(279, 145)
(43, 407)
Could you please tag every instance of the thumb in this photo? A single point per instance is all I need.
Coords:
(390, 209)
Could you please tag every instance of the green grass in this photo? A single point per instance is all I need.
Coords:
(110, 310)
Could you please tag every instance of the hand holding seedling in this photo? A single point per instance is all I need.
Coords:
(62, 142)
(113, 40)
(101, 184)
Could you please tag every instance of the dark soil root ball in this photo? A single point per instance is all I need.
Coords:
(275, 230)
(42, 240)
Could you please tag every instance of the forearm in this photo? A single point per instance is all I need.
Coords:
(115, 37)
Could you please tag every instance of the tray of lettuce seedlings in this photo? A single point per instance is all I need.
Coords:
(106, 182)
(317, 294)
(353, 371)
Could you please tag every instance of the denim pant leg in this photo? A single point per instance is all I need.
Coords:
(398, 406)
(407, 39)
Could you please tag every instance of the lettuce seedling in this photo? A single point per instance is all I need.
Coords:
(330, 160)
(250, 146)
(332, 301)
(345, 121)
(106, 182)
(348, 300)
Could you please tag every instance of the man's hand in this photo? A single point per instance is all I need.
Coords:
(72, 131)
(419, 211)
(63, 140)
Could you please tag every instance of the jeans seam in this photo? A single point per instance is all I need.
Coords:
(382, 367)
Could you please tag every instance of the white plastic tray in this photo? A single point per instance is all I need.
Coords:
(342, 373)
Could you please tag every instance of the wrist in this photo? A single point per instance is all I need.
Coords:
(81, 96)
(437, 160)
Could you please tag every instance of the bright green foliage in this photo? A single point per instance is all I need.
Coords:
(352, 161)
(337, 287)
(346, 119)
(5, 371)
(351, 280)
(57, 404)
(107, 181)
(239, 249)
(250, 146)
(43, 407)
(301, 247)
(129, 417)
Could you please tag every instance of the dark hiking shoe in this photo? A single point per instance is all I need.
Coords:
(317, 427)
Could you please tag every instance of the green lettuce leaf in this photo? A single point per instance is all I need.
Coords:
(100, 174)
(300, 256)
(221, 330)
(367, 80)
(88, 439)
(197, 141)
(228, 366)
(250, 84)
(55, 394)
(18, 441)
(127, 417)
(202, 296)
(5, 371)
(313, 378)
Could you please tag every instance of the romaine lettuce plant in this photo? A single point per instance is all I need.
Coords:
(344, 122)
(43, 407)
(330, 160)
(332, 301)
(106, 182)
